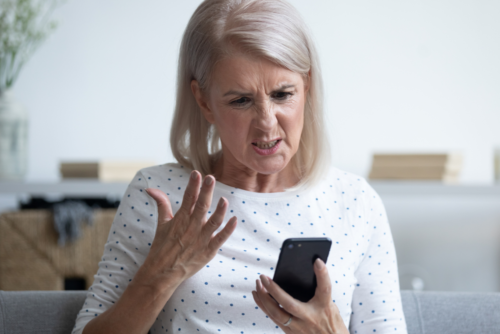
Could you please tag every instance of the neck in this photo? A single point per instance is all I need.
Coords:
(242, 177)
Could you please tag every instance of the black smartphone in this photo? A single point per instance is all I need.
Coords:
(295, 269)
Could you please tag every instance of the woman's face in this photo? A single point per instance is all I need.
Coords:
(258, 110)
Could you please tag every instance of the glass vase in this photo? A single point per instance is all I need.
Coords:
(13, 138)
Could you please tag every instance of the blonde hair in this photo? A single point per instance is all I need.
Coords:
(264, 28)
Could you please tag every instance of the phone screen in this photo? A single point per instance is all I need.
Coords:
(295, 269)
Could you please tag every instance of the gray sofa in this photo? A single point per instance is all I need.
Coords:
(426, 312)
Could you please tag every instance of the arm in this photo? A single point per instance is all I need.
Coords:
(376, 302)
(112, 289)
(126, 298)
(134, 312)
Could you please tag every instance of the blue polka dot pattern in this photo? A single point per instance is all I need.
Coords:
(343, 206)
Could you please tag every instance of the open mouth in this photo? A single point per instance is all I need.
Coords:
(266, 145)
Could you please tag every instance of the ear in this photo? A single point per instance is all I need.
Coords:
(202, 103)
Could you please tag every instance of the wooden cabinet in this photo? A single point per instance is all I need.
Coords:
(31, 259)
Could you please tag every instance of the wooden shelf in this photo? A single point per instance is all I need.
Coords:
(86, 188)
(73, 188)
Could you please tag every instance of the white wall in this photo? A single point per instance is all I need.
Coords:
(399, 75)
(451, 242)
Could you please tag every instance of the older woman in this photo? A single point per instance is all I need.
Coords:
(248, 132)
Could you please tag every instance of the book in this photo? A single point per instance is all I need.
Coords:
(105, 171)
(445, 167)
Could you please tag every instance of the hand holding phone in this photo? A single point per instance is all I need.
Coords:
(296, 308)
(294, 271)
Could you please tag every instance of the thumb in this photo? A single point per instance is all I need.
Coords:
(163, 203)
(324, 285)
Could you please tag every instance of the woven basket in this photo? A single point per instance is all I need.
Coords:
(31, 259)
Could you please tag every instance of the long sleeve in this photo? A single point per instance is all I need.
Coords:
(376, 302)
(128, 243)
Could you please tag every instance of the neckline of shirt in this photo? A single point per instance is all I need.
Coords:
(232, 191)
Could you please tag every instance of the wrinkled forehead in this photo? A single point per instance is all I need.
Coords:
(244, 71)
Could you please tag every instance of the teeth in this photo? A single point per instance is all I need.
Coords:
(266, 146)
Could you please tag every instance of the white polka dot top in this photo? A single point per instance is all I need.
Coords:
(343, 206)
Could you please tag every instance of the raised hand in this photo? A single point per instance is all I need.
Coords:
(184, 243)
(319, 315)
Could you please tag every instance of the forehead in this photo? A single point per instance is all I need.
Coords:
(246, 72)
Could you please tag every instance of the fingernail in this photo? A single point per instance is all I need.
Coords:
(147, 190)
(260, 285)
(319, 263)
(264, 280)
(221, 202)
(194, 175)
(208, 180)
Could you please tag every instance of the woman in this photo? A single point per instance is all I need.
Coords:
(175, 260)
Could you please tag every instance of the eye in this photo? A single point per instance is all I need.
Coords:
(283, 95)
(240, 101)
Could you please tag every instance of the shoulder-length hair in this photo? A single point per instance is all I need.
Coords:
(264, 28)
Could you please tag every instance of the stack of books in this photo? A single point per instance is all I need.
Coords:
(445, 167)
(105, 171)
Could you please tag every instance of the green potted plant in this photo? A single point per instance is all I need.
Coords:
(24, 25)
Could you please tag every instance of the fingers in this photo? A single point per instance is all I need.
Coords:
(204, 199)
(163, 203)
(269, 305)
(263, 308)
(191, 193)
(216, 218)
(221, 237)
(290, 304)
(324, 286)
(259, 302)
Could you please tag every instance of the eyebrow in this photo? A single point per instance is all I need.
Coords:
(235, 92)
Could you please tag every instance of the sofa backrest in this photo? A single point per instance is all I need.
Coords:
(39, 311)
(433, 312)
(427, 312)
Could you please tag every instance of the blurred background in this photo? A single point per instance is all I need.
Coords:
(401, 77)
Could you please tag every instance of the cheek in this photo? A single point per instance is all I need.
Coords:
(232, 127)
(293, 123)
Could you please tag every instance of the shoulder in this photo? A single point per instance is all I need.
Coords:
(164, 169)
(346, 182)
(165, 173)
(344, 176)
(168, 176)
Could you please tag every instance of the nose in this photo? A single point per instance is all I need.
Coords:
(265, 117)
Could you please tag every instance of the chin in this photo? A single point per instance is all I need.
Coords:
(269, 167)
